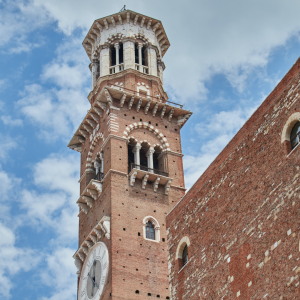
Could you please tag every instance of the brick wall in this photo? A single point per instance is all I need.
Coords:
(242, 214)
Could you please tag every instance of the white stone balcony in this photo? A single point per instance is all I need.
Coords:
(116, 69)
(156, 177)
(143, 69)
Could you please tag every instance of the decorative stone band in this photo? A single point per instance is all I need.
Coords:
(149, 127)
(89, 195)
(93, 238)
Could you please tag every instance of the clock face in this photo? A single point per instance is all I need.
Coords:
(94, 272)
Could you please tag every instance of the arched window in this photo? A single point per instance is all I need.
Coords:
(295, 135)
(185, 255)
(150, 231)
(182, 252)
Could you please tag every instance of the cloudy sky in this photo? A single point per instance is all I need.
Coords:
(225, 58)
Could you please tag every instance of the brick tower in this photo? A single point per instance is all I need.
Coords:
(131, 162)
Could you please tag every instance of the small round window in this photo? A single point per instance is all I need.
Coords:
(295, 135)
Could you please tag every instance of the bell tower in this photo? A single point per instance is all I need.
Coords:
(131, 162)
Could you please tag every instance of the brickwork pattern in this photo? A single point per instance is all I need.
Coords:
(242, 215)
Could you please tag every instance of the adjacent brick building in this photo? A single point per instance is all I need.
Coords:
(239, 223)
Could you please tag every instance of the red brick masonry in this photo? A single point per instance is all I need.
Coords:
(242, 214)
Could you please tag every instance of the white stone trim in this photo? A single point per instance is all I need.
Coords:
(144, 125)
(156, 228)
(184, 241)
(287, 128)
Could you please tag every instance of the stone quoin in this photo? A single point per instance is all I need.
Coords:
(131, 162)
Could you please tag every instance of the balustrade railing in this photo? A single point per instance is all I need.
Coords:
(116, 68)
(145, 168)
(99, 176)
(144, 69)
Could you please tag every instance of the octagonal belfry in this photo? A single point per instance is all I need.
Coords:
(131, 162)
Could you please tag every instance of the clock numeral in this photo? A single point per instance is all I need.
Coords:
(83, 293)
(102, 281)
(103, 255)
(94, 254)
(104, 266)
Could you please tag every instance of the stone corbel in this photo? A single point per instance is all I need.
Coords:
(91, 122)
(84, 207)
(108, 97)
(163, 111)
(105, 222)
(98, 233)
(85, 250)
(155, 109)
(171, 112)
(167, 187)
(84, 133)
(147, 106)
(182, 119)
(138, 105)
(88, 200)
(130, 102)
(98, 111)
(87, 127)
(132, 178)
(145, 179)
(155, 184)
(122, 101)
(78, 264)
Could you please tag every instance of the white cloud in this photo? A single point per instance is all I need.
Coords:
(7, 144)
(54, 205)
(232, 37)
(216, 133)
(12, 260)
(7, 120)
(61, 275)
(58, 111)
(17, 19)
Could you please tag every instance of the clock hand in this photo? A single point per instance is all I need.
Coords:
(94, 281)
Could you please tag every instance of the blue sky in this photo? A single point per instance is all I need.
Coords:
(225, 58)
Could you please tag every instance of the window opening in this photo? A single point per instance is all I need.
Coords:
(113, 56)
(185, 257)
(295, 135)
(150, 231)
(121, 60)
(136, 53)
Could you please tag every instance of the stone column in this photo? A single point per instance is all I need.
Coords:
(102, 163)
(104, 61)
(161, 71)
(136, 152)
(117, 47)
(97, 166)
(129, 56)
(140, 46)
(149, 155)
(94, 69)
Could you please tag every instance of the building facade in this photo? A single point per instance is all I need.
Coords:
(131, 162)
(236, 233)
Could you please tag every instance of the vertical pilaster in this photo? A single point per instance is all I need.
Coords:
(152, 61)
(129, 59)
(104, 61)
